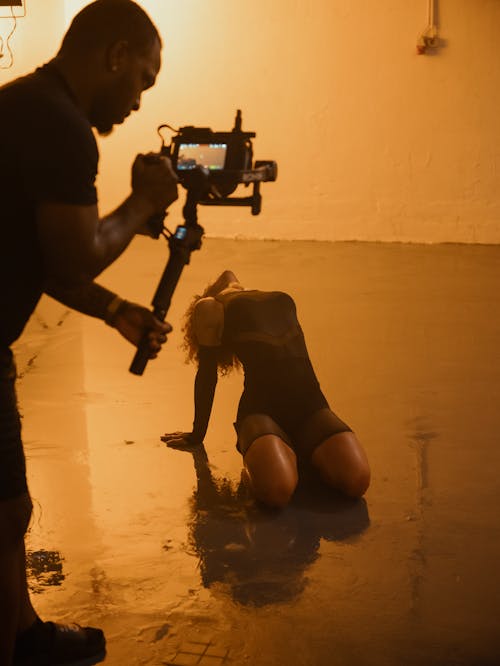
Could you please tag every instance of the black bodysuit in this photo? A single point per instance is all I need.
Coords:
(281, 387)
(262, 330)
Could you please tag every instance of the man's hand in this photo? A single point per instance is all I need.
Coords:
(183, 441)
(133, 321)
(154, 179)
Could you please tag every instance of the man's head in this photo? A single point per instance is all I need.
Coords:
(116, 42)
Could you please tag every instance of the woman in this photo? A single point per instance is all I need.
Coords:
(282, 415)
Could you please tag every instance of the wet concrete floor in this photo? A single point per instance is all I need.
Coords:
(165, 551)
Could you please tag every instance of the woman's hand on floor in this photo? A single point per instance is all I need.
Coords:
(180, 440)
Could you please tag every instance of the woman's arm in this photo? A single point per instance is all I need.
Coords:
(204, 391)
(208, 322)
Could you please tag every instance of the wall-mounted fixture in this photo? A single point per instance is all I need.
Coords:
(428, 39)
(8, 24)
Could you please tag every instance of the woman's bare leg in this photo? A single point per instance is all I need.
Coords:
(271, 470)
(343, 464)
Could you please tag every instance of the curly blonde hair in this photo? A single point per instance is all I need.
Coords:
(227, 361)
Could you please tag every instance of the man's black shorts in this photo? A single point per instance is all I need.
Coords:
(12, 461)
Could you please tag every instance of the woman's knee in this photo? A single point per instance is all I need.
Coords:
(343, 464)
(271, 466)
(352, 481)
(276, 494)
(356, 482)
(15, 515)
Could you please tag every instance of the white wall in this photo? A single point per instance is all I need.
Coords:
(36, 36)
(373, 142)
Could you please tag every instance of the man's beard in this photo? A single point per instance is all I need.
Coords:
(100, 117)
(104, 132)
(103, 126)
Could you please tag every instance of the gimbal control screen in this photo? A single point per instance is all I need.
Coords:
(209, 155)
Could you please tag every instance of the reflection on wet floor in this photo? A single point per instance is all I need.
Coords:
(261, 556)
(168, 554)
(44, 568)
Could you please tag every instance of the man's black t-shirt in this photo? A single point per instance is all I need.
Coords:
(48, 153)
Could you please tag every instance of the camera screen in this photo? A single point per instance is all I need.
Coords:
(209, 155)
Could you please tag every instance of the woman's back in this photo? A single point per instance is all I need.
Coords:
(262, 325)
(263, 331)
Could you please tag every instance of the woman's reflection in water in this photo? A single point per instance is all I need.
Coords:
(258, 555)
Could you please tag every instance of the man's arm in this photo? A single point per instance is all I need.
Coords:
(91, 299)
(131, 320)
(77, 245)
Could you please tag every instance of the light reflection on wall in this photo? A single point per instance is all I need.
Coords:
(372, 141)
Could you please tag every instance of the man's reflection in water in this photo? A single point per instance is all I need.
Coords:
(258, 555)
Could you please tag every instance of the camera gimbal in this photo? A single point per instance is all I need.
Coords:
(210, 165)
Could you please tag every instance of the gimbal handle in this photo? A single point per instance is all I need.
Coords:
(185, 240)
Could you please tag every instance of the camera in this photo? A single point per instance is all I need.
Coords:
(225, 160)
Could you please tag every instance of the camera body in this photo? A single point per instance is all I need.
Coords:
(225, 160)
(223, 155)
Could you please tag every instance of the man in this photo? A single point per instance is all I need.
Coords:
(53, 241)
